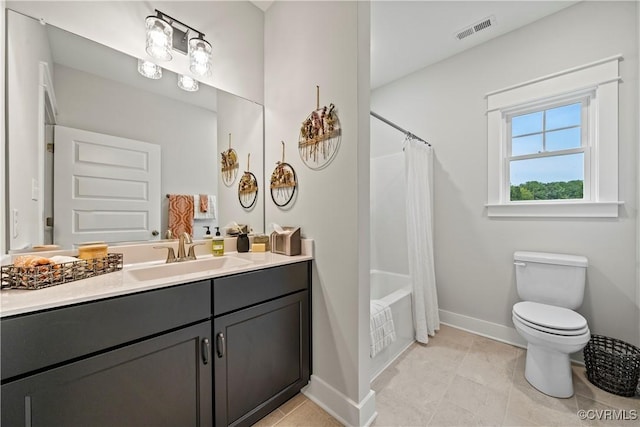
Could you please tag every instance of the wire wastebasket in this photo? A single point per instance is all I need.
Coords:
(612, 365)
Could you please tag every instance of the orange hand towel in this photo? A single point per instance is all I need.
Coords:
(204, 203)
(181, 214)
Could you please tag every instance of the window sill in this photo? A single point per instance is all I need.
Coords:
(555, 209)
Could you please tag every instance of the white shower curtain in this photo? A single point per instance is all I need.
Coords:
(418, 158)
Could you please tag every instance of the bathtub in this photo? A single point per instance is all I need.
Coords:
(395, 290)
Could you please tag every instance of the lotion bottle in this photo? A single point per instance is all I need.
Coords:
(217, 246)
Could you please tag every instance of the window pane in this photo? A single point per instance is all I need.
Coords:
(528, 123)
(548, 178)
(563, 139)
(526, 145)
(562, 117)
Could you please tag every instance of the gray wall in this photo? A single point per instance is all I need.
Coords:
(332, 204)
(244, 120)
(445, 104)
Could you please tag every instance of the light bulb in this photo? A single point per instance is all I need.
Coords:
(199, 57)
(159, 38)
(149, 69)
(187, 83)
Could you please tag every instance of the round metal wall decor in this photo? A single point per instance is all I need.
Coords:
(229, 165)
(320, 136)
(248, 189)
(283, 182)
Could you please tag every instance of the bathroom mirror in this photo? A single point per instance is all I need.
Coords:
(87, 86)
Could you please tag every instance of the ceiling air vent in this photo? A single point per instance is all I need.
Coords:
(479, 26)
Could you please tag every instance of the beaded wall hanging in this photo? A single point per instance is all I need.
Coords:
(319, 135)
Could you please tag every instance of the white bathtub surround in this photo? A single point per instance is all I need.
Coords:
(383, 333)
(419, 169)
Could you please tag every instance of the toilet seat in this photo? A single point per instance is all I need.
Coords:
(550, 319)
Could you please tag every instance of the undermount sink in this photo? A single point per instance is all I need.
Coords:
(185, 267)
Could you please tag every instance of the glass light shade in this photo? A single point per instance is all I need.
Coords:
(199, 57)
(187, 83)
(159, 38)
(149, 69)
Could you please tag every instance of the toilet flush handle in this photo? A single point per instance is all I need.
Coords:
(520, 264)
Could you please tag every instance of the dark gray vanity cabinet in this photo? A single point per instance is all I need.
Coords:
(261, 333)
(138, 360)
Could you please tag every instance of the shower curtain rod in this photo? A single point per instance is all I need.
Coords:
(393, 125)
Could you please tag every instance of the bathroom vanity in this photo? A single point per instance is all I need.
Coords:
(225, 348)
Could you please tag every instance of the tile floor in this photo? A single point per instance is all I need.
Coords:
(462, 379)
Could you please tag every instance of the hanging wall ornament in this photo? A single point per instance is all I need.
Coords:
(229, 165)
(319, 135)
(283, 182)
(248, 188)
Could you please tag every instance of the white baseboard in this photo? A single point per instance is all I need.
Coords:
(340, 406)
(491, 330)
(484, 328)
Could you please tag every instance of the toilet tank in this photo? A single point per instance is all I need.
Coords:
(548, 278)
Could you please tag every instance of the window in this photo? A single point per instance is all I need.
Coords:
(549, 152)
(553, 145)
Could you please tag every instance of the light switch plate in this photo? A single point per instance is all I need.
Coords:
(34, 189)
(14, 222)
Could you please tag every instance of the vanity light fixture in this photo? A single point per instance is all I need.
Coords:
(199, 56)
(165, 33)
(149, 69)
(187, 83)
(159, 37)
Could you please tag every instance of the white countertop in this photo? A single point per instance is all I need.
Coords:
(14, 301)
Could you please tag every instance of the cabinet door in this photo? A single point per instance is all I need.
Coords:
(162, 381)
(261, 358)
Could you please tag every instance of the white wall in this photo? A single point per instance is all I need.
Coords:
(333, 203)
(445, 104)
(234, 29)
(244, 121)
(186, 134)
(24, 126)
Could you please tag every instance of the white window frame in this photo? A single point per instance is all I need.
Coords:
(597, 83)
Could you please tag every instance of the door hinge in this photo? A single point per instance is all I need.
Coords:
(49, 221)
(50, 147)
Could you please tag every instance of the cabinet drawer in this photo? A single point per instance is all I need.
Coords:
(38, 340)
(246, 289)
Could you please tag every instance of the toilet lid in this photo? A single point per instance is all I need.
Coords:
(549, 316)
(552, 331)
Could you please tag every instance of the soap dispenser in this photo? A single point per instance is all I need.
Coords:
(217, 247)
(207, 234)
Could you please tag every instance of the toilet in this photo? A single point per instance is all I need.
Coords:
(550, 286)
